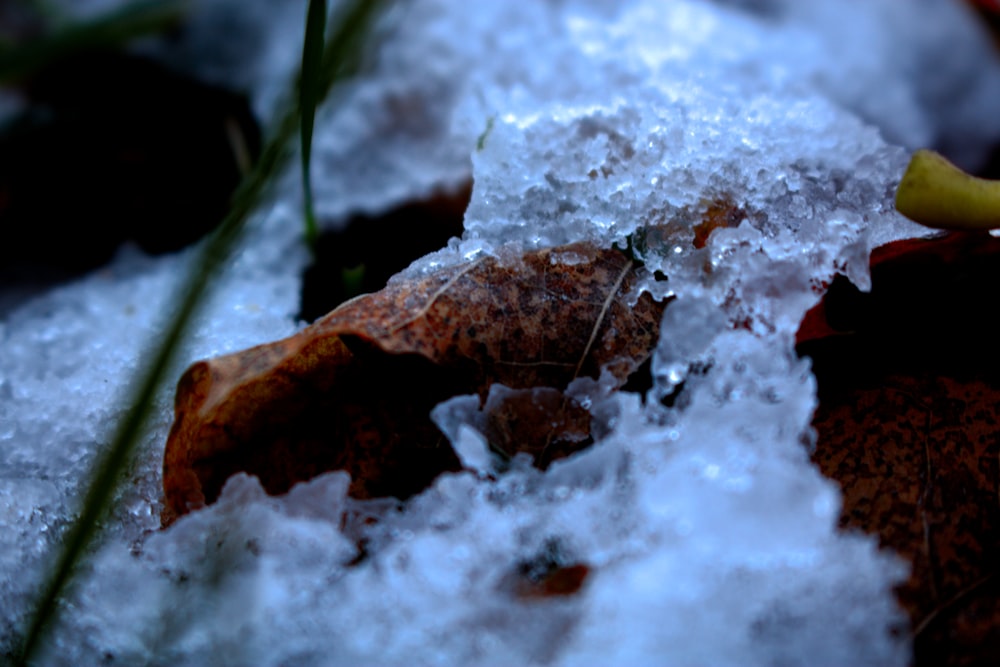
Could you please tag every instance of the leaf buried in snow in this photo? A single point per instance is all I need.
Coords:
(551, 573)
(354, 390)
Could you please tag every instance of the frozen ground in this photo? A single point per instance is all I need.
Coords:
(709, 536)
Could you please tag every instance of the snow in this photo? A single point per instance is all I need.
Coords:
(709, 536)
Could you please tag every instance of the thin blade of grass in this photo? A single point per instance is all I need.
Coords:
(309, 98)
(338, 59)
(108, 31)
(96, 504)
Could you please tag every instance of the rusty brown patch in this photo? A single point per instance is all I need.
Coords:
(354, 390)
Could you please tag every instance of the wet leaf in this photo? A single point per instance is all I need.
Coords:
(691, 227)
(909, 381)
(543, 422)
(354, 390)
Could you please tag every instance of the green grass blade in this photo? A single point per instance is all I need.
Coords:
(105, 481)
(111, 30)
(110, 467)
(342, 54)
(309, 98)
(108, 471)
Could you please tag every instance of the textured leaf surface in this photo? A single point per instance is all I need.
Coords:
(354, 390)
(907, 424)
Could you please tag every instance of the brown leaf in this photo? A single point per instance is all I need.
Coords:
(909, 381)
(549, 574)
(354, 390)
(561, 581)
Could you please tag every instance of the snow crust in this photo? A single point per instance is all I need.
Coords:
(709, 536)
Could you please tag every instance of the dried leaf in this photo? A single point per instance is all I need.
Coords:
(909, 380)
(354, 390)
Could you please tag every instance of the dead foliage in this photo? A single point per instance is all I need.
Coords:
(909, 381)
(354, 390)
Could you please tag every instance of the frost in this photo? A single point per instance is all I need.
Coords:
(707, 535)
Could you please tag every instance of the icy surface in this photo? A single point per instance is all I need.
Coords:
(708, 535)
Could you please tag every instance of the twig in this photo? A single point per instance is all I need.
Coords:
(955, 599)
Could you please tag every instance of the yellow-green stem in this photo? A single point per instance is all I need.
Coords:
(936, 193)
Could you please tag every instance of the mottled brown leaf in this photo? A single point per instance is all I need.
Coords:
(907, 424)
(354, 390)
